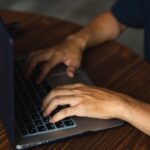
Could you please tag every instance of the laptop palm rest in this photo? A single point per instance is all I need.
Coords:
(59, 77)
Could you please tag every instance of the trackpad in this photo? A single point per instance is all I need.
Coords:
(59, 77)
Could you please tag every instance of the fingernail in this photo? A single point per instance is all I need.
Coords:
(71, 75)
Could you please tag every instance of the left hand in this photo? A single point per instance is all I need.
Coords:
(84, 101)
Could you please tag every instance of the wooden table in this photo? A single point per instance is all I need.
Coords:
(110, 65)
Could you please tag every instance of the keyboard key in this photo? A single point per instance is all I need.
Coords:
(35, 117)
(27, 121)
(41, 128)
(41, 93)
(31, 128)
(23, 131)
(68, 123)
(46, 119)
(24, 116)
(38, 122)
(59, 124)
(32, 111)
(41, 113)
(38, 107)
(46, 86)
(35, 97)
(50, 126)
(37, 102)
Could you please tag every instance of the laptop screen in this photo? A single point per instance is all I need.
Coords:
(6, 81)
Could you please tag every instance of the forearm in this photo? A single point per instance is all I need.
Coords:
(104, 28)
(137, 113)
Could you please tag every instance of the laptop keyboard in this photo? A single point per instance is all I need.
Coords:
(28, 101)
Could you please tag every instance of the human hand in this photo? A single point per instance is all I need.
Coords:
(84, 101)
(68, 52)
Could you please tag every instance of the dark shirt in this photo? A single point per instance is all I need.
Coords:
(135, 13)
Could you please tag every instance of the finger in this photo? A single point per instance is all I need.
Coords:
(35, 60)
(32, 55)
(71, 71)
(73, 65)
(55, 93)
(61, 100)
(61, 91)
(64, 113)
(29, 59)
(47, 67)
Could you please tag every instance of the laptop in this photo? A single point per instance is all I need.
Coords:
(21, 99)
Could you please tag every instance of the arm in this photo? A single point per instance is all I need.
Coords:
(105, 27)
(94, 102)
(137, 113)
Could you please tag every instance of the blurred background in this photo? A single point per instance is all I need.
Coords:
(79, 11)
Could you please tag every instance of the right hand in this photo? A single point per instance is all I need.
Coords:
(68, 52)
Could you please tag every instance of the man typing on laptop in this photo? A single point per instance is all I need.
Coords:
(90, 101)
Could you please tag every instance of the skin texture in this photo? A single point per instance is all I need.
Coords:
(87, 101)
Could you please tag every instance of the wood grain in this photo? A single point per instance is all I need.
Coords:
(109, 65)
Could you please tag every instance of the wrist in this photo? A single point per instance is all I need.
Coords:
(80, 40)
(123, 108)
